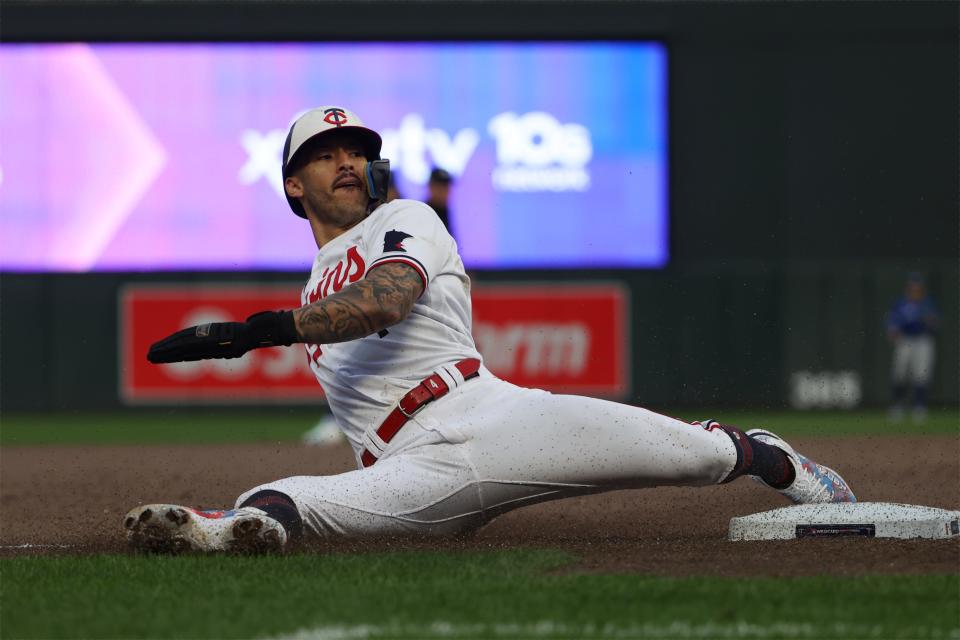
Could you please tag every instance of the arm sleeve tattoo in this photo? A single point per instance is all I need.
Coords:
(382, 299)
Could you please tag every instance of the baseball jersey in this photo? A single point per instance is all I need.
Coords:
(913, 317)
(363, 379)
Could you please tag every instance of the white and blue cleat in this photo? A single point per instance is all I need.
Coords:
(814, 483)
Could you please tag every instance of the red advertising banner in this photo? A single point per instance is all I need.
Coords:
(151, 312)
(565, 338)
(568, 338)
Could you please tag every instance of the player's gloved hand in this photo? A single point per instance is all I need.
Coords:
(226, 339)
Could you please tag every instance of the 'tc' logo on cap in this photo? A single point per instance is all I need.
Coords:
(335, 116)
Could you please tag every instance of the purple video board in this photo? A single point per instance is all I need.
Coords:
(167, 156)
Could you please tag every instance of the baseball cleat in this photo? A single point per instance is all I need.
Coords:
(814, 483)
(168, 528)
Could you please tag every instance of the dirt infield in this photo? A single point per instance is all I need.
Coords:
(72, 500)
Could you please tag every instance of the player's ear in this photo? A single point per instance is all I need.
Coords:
(293, 187)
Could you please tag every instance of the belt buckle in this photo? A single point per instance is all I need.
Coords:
(410, 415)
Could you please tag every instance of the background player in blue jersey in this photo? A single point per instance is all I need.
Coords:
(911, 325)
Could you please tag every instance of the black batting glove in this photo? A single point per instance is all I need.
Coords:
(226, 339)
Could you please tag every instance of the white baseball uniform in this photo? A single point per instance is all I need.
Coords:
(485, 447)
(913, 359)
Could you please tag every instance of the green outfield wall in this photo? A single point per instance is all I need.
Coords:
(708, 333)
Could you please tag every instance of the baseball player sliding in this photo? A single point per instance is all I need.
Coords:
(442, 445)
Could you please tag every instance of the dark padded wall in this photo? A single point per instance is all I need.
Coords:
(819, 149)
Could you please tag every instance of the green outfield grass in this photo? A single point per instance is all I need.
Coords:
(157, 427)
(516, 594)
(831, 423)
(282, 424)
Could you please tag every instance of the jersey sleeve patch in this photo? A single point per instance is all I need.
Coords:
(409, 232)
(393, 241)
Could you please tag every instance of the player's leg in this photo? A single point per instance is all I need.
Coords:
(529, 445)
(898, 375)
(485, 452)
(518, 434)
(425, 490)
(422, 486)
(920, 374)
(489, 447)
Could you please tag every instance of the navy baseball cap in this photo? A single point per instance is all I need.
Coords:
(441, 176)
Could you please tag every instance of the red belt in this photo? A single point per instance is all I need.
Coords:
(424, 393)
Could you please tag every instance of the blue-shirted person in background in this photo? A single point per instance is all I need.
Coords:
(911, 325)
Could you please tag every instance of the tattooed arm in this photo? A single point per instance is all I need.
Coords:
(382, 299)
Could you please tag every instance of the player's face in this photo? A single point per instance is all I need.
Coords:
(331, 181)
(915, 290)
(439, 191)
